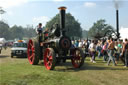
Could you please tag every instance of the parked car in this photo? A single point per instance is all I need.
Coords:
(19, 49)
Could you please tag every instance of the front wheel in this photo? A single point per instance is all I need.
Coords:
(77, 57)
(49, 58)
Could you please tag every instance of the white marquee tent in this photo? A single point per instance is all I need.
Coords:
(2, 40)
(123, 32)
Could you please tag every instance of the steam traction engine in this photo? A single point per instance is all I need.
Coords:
(56, 48)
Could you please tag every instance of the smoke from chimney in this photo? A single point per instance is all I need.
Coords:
(117, 3)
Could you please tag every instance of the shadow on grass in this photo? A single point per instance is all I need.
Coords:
(3, 56)
(21, 57)
(68, 67)
(18, 57)
(87, 66)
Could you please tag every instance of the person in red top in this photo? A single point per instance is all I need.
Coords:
(105, 55)
(46, 34)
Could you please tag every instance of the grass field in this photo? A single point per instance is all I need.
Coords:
(18, 71)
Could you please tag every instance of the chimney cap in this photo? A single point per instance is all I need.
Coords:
(62, 8)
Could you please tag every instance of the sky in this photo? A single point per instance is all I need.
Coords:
(31, 12)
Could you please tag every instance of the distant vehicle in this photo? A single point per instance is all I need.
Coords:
(0, 47)
(10, 43)
(19, 49)
(2, 42)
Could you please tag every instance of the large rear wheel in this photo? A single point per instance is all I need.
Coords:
(78, 57)
(33, 52)
(49, 58)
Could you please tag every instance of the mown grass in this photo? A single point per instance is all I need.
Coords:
(18, 71)
(25, 74)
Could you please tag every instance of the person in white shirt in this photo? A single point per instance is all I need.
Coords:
(80, 44)
(92, 48)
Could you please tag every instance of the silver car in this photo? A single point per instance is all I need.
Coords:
(19, 49)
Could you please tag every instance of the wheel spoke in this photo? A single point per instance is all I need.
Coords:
(30, 44)
(50, 54)
(47, 54)
(50, 58)
(78, 57)
(32, 56)
(49, 64)
(76, 61)
(79, 61)
(33, 49)
(29, 50)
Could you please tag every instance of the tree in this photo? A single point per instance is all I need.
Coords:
(72, 26)
(2, 12)
(100, 29)
(20, 32)
(29, 32)
(4, 30)
(17, 32)
(84, 34)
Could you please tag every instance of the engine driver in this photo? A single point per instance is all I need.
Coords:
(39, 31)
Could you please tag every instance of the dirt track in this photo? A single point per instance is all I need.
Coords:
(5, 56)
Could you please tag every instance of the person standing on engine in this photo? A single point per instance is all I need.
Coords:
(39, 31)
(46, 34)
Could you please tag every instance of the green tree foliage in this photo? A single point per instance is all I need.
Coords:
(72, 26)
(4, 30)
(16, 31)
(100, 29)
(2, 11)
(84, 34)
(20, 32)
(29, 32)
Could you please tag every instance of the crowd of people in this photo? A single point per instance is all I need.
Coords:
(111, 50)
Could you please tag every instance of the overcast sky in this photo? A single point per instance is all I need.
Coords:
(31, 12)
